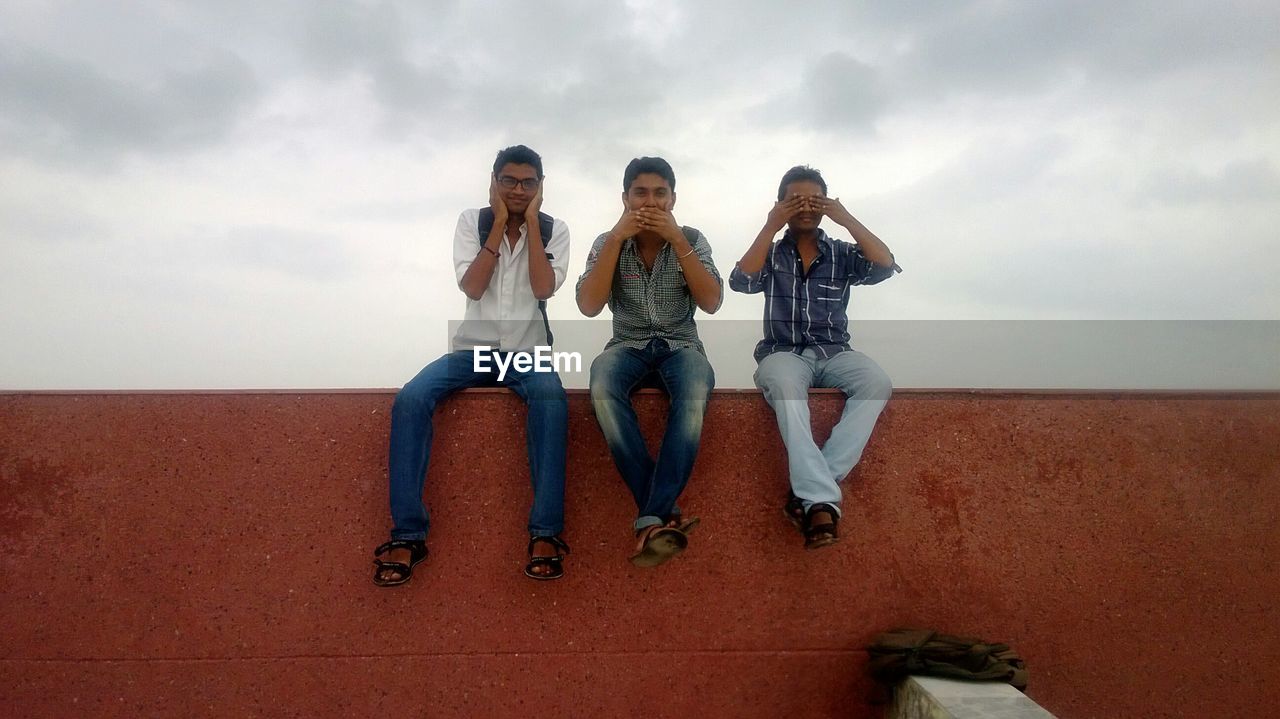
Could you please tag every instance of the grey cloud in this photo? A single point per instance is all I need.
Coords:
(300, 253)
(562, 68)
(47, 222)
(1241, 181)
(836, 92)
(993, 169)
(64, 108)
(1013, 48)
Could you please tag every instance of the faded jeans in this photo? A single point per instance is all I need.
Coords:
(785, 379)
(687, 378)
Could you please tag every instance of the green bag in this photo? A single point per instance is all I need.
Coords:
(901, 652)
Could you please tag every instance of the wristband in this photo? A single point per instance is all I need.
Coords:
(681, 257)
(490, 250)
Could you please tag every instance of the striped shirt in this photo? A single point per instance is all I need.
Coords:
(803, 310)
(652, 304)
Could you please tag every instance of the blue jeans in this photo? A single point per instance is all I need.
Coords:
(687, 378)
(786, 378)
(546, 437)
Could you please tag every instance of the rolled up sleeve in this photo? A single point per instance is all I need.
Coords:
(466, 242)
(865, 272)
(747, 283)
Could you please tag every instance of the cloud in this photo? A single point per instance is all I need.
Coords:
(66, 109)
(1008, 48)
(1239, 181)
(300, 253)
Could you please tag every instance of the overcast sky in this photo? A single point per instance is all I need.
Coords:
(245, 194)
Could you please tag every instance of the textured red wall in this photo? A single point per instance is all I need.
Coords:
(209, 555)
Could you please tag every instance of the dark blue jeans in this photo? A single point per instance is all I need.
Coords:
(546, 437)
(687, 378)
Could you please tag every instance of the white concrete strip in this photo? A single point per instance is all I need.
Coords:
(936, 698)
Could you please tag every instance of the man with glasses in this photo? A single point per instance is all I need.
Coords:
(805, 278)
(653, 274)
(509, 258)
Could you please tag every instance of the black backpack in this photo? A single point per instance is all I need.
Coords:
(899, 653)
(545, 225)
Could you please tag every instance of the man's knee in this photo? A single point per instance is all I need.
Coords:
(859, 377)
(414, 399)
(604, 383)
(782, 377)
(692, 378)
(875, 385)
(544, 387)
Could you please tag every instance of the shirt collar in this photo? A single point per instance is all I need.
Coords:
(824, 242)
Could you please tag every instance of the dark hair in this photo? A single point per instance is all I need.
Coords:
(654, 165)
(801, 173)
(518, 155)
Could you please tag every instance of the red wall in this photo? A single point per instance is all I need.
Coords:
(209, 555)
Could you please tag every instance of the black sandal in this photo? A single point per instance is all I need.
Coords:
(817, 536)
(555, 563)
(417, 552)
(794, 510)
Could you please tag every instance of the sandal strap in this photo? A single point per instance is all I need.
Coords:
(561, 547)
(398, 566)
(828, 527)
(413, 545)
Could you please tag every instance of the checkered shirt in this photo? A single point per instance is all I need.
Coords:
(652, 304)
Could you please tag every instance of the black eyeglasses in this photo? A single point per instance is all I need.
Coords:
(529, 183)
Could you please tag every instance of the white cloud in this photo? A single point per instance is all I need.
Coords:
(248, 194)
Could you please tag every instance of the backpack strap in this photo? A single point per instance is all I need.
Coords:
(690, 234)
(546, 225)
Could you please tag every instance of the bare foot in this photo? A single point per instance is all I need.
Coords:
(396, 559)
(542, 549)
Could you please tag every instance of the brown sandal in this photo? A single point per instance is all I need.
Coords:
(661, 544)
(817, 536)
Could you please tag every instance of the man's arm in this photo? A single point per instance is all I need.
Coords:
(699, 270)
(754, 258)
(473, 261)
(872, 247)
(748, 275)
(596, 283)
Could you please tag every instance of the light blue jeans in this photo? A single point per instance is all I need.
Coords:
(785, 379)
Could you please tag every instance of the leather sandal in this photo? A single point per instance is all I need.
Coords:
(554, 563)
(817, 536)
(661, 544)
(794, 511)
(382, 575)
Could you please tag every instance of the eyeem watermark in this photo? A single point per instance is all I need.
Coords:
(542, 359)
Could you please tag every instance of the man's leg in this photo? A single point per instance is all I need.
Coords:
(411, 432)
(546, 437)
(614, 374)
(866, 388)
(688, 378)
(785, 379)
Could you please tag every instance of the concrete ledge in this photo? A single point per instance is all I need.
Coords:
(209, 555)
(938, 698)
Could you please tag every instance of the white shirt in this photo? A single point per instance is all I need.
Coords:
(506, 317)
